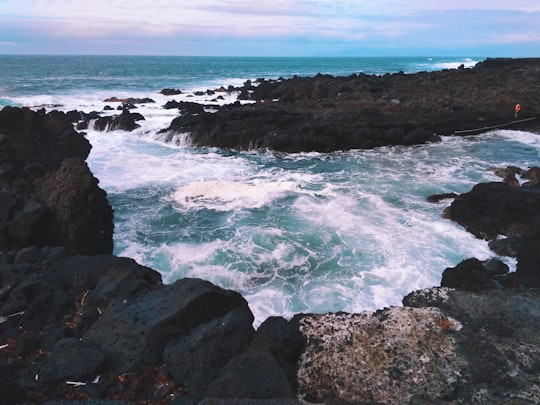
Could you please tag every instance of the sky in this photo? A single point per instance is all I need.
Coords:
(488, 28)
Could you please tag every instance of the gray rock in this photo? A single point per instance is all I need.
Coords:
(75, 359)
(253, 374)
(498, 346)
(133, 332)
(210, 346)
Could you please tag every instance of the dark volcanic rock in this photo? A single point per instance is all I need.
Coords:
(109, 326)
(291, 129)
(470, 274)
(438, 197)
(267, 369)
(129, 100)
(186, 107)
(210, 346)
(47, 304)
(170, 92)
(75, 359)
(133, 333)
(48, 197)
(253, 374)
(283, 339)
(127, 121)
(326, 113)
(490, 209)
(80, 216)
(37, 138)
(493, 209)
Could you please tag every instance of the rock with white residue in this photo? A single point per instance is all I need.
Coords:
(390, 356)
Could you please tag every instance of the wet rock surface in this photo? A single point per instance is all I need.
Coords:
(326, 113)
(126, 121)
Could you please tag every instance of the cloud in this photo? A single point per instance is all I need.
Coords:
(370, 24)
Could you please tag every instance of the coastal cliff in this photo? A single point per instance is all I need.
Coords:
(78, 324)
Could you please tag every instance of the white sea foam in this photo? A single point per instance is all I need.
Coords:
(466, 62)
(526, 138)
(302, 232)
(227, 195)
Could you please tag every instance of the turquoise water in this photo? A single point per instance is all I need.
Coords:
(306, 232)
(32, 75)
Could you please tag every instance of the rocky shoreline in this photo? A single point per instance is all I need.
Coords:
(78, 324)
(326, 113)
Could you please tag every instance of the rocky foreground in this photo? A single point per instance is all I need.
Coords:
(79, 324)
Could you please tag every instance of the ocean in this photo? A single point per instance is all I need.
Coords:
(307, 232)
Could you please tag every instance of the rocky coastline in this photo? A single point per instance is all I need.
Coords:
(79, 325)
(326, 113)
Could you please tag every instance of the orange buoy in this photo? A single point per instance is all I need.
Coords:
(518, 107)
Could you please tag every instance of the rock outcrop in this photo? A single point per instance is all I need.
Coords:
(48, 196)
(509, 217)
(126, 121)
(443, 346)
(325, 113)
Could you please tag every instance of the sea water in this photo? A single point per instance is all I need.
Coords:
(306, 232)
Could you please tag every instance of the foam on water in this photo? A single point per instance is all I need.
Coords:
(227, 195)
(467, 63)
(303, 232)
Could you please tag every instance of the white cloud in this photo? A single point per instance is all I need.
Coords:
(369, 22)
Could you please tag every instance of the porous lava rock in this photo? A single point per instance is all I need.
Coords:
(498, 345)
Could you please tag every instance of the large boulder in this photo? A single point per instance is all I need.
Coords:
(80, 216)
(37, 139)
(134, 333)
(394, 356)
(48, 301)
(498, 344)
(210, 346)
(470, 274)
